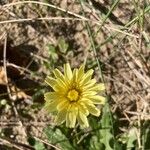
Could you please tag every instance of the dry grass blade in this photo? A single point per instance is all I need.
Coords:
(8, 88)
(12, 145)
(38, 139)
(63, 10)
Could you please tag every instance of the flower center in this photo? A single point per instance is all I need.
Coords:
(73, 95)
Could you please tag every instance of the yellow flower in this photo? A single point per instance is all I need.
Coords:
(74, 97)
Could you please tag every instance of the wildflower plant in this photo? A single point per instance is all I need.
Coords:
(75, 96)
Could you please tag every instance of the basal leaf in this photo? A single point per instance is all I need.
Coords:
(55, 136)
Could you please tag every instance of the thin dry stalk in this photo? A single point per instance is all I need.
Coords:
(63, 10)
(8, 88)
(38, 139)
(5, 142)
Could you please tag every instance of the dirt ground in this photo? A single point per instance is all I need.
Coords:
(125, 61)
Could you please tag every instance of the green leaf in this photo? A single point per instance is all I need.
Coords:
(36, 144)
(106, 137)
(131, 138)
(52, 52)
(55, 136)
(63, 46)
(95, 144)
(146, 134)
(39, 146)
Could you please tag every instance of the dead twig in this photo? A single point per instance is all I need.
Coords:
(8, 88)
(6, 142)
(46, 143)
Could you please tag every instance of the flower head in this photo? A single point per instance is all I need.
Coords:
(74, 97)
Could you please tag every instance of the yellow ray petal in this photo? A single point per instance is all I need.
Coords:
(61, 116)
(51, 106)
(82, 119)
(75, 76)
(82, 108)
(85, 100)
(81, 72)
(61, 86)
(60, 76)
(97, 99)
(90, 84)
(55, 84)
(87, 76)
(71, 116)
(64, 103)
(49, 96)
(97, 87)
(93, 109)
(88, 93)
(67, 71)
(51, 81)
